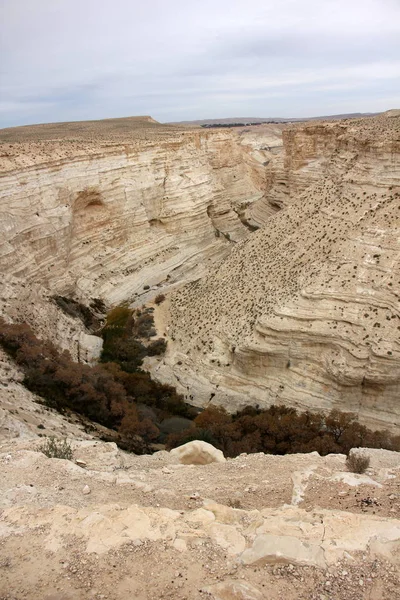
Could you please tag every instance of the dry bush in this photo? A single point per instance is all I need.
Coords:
(53, 448)
(109, 393)
(159, 298)
(106, 393)
(357, 463)
(79, 311)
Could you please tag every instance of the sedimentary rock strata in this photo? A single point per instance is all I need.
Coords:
(306, 311)
(105, 216)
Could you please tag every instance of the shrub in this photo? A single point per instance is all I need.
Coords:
(78, 310)
(357, 463)
(157, 347)
(189, 435)
(54, 448)
(108, 394)
(105, 393)
(143, 326)
(159, 298)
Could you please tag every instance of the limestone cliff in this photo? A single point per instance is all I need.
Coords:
(306, 311)
(106, 217)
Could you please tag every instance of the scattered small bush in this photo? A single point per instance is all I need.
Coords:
(54, 448)
(159, 298)
(143, 326)
(234, 503)
(357, 463)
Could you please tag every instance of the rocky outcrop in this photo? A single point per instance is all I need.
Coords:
(303, 312)
(306, 311)
(108, 522)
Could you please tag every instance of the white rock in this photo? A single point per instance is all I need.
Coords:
(234, 590)
(197, 453)
(86, 490)
(283, 549)
(90, 347)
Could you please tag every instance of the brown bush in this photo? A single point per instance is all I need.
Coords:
(108, 394)
(281, 430)
(357, 463)
(159, 298)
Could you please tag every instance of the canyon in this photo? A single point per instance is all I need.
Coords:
(305, 311)
(277, 246)
(277, 250)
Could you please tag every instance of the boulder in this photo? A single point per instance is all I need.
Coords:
(197, 453)
(90, 347)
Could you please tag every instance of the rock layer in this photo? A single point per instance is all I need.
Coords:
(108, 217)
(306, 311)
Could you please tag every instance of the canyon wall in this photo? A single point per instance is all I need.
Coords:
(107, 219)
(305, 311)
(119, 210)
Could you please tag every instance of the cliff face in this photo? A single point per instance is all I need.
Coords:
(105, 219)
(306, 311)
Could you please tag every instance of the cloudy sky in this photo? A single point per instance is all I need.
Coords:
(191, 59)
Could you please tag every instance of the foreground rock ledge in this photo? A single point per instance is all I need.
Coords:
(156, 528)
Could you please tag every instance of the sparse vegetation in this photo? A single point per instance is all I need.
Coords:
(112, 393)
(282, 430)
(357, 463)
(54, 448)
(90, 316)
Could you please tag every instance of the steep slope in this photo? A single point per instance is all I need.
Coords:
(306, 311)
(105, 209)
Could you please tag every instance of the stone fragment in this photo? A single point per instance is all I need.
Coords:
(234, 590)
(283, 549)
(228, 537)
(86, 490)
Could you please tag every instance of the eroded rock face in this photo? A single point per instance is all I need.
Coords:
(306, 311)
(105, 218)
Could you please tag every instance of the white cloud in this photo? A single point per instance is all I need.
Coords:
(75, 59)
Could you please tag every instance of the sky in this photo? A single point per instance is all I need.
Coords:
(65, 60)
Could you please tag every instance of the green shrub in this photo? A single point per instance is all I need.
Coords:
(54, 448)
(157, 347)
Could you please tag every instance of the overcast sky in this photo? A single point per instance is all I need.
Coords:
(65, 60)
